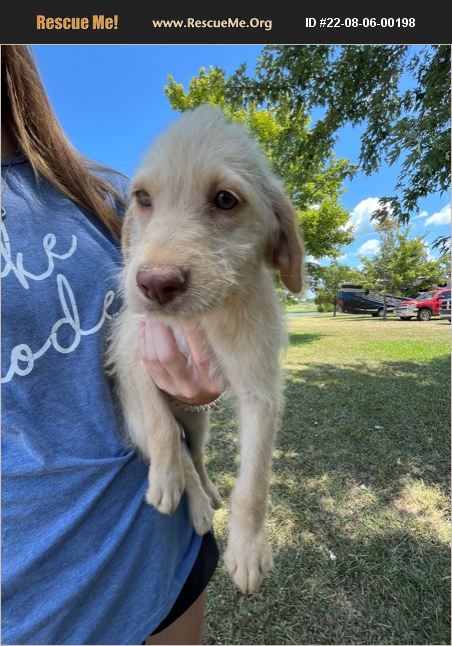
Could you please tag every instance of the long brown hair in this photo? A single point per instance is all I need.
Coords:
(27, 113)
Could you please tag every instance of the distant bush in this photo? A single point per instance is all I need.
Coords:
(286, 297)
(325, 307)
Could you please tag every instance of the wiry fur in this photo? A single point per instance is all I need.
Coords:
(230, 257)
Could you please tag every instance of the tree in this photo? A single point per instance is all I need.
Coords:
(383, 266)
(324, 282)
(402, 266)
(362, 85)
(315, 188)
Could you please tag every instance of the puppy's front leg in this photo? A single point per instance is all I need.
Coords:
(196, 427)
(200, 510)
(248, 555)
(163, 439)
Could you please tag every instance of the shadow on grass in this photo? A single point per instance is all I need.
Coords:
(376, 427)
(353, 565)
(351, 423)
(301, 338)
(391, 588)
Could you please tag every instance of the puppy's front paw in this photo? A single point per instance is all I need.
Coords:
(247, 558)
(201, 512)
(165, 489)
(212, 492)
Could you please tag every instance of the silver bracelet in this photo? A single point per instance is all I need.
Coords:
(191, 408)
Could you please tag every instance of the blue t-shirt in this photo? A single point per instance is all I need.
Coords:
(84, 559)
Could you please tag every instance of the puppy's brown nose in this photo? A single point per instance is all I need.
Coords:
(161, 284)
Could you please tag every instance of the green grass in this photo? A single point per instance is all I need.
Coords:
(359, 518)
(301, 307)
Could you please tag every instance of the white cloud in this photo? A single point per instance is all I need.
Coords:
(440, 217)
(422, 214)
(369, 248)
(360, 216)
(430, 256)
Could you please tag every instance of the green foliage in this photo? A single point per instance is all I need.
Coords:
(325, 306)
(402, 262)
(360, 84)
(324, 282)
(315, 186)
(286, 297)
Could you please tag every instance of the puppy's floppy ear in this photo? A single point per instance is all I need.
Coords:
(286, 249)
(126, 233)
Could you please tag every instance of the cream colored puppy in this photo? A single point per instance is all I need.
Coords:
(206, 227)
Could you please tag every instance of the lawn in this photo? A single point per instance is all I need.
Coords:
(359, 518)
(302, 307)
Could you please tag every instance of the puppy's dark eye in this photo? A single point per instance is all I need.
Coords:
(143, 198)
(225, 200)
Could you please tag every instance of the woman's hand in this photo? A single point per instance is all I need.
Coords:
(187, 381)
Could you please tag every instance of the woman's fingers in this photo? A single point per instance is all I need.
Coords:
(198, 343)
(165, 361)
(148, 354)
(170, 369)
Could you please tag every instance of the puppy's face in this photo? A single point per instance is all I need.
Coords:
(205, 213)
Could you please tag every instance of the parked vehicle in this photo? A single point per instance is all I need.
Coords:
(406, 311)
(424, 306)
(354, 299)
(445, 309)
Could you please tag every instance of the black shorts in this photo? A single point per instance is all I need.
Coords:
(199, 577)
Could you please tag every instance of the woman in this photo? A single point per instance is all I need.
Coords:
(85, 560)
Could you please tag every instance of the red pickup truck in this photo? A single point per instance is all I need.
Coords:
(423, 307)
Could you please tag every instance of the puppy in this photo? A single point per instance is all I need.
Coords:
(206, 227)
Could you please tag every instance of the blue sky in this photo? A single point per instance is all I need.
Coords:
(111, 104)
